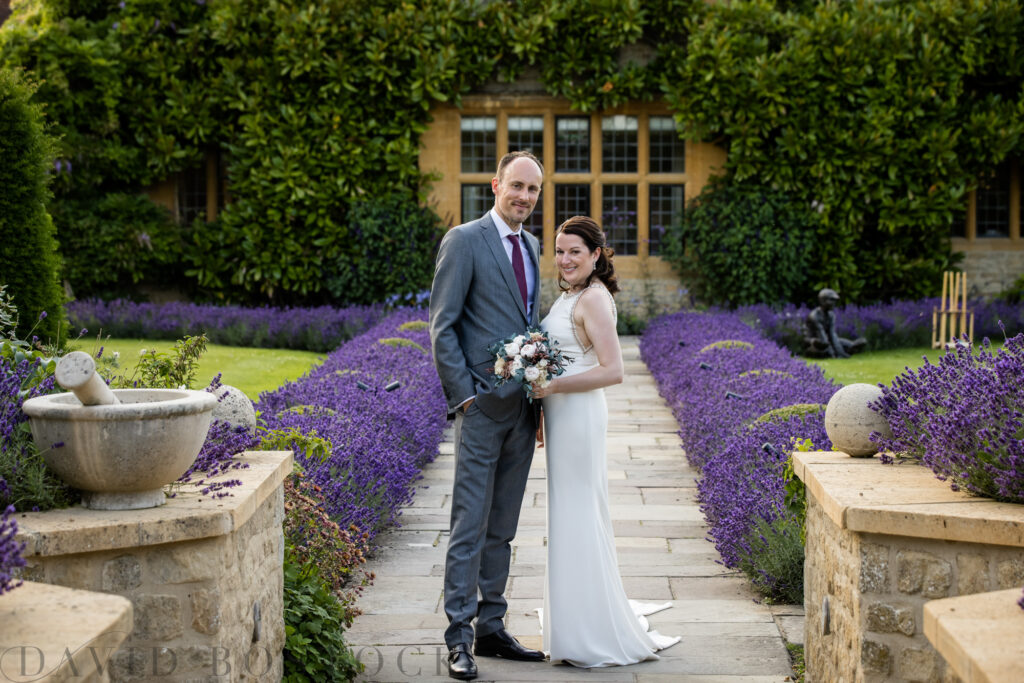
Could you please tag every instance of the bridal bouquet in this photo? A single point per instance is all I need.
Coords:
(528, 358)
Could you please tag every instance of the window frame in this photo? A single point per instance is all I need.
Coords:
(448, 132)
(971, 241)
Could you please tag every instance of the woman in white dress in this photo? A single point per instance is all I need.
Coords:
(587, 619)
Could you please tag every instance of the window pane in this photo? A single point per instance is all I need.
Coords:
(476, 201)
(668, 151)
(571, 200)
(192, 195)
(526, 133)
(994, 204)
(618, 216)
(618, 144)
(479, 144)
(667, 202)
(572, 144)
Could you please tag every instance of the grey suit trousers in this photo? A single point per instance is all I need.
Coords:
(492, 463)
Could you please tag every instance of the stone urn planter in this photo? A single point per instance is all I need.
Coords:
(122, 454)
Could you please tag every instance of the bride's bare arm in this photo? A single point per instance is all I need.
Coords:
(598, 323)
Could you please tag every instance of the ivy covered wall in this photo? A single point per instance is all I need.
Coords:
(883, 114)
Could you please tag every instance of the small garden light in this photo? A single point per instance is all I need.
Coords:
(394, 385)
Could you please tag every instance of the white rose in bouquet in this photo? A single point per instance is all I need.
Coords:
(532, 373)
(519, 340)
(542, 363)
(517, 364)
(499, 366)
(512, 348)
(528, 351)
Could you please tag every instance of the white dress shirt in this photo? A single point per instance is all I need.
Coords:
(504, 231)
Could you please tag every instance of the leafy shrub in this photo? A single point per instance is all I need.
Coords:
(1014, 294)
(741, 243)
(28, 251)
(773, 559)
(314, 538)
(881, 114)
(963, 418)
(390, 247)
(112, 244)
(314, 624)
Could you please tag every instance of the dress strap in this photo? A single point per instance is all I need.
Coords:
(572, 311)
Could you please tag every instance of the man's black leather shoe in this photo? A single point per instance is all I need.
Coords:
(461, 664)
(502, 644)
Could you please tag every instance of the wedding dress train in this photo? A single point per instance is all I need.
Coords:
(587, 619)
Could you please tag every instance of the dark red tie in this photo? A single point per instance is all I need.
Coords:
(518, 268)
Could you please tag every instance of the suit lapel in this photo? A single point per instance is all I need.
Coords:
(493, 240)
(533, 247)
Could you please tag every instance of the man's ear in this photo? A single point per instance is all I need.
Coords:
(494, 185)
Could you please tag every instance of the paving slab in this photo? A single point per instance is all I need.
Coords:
(728, 636)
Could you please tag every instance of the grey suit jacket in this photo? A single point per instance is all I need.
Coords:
(474, 302)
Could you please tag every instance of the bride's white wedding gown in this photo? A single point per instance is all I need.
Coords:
(587, 619)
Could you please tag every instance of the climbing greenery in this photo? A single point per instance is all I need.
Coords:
(876, 118)
(877, 115)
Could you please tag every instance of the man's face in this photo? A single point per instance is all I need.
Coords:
(516, 192)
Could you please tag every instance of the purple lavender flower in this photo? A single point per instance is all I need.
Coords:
(717, 392)
(381, 439)
(10, 551)
(321, 328)
(962, 418)
(42, 315)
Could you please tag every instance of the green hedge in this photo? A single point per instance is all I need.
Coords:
(28, 252)
(742, 243)
(881, 114)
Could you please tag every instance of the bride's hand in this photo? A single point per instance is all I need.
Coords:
(540, 392)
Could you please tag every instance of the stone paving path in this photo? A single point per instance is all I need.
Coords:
(727, 637)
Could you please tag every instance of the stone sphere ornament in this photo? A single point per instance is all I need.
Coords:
(849, 422)
(235, 408)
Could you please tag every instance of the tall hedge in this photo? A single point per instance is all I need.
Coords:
(28, 251)
(879, 115)
(883, 114)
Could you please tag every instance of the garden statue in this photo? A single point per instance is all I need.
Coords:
(821, 340)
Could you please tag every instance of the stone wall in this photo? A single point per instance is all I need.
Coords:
(204, 576)
(991, 272)
(881, 542)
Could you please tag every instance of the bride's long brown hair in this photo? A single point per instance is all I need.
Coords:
(588, 230)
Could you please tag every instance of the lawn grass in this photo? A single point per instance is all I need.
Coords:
(877, 367)
(251, 370)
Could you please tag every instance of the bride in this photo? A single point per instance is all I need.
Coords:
(587, 619)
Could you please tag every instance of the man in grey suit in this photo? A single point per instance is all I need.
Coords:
(486, 287)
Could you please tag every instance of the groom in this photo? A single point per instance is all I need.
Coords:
(486, 287)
